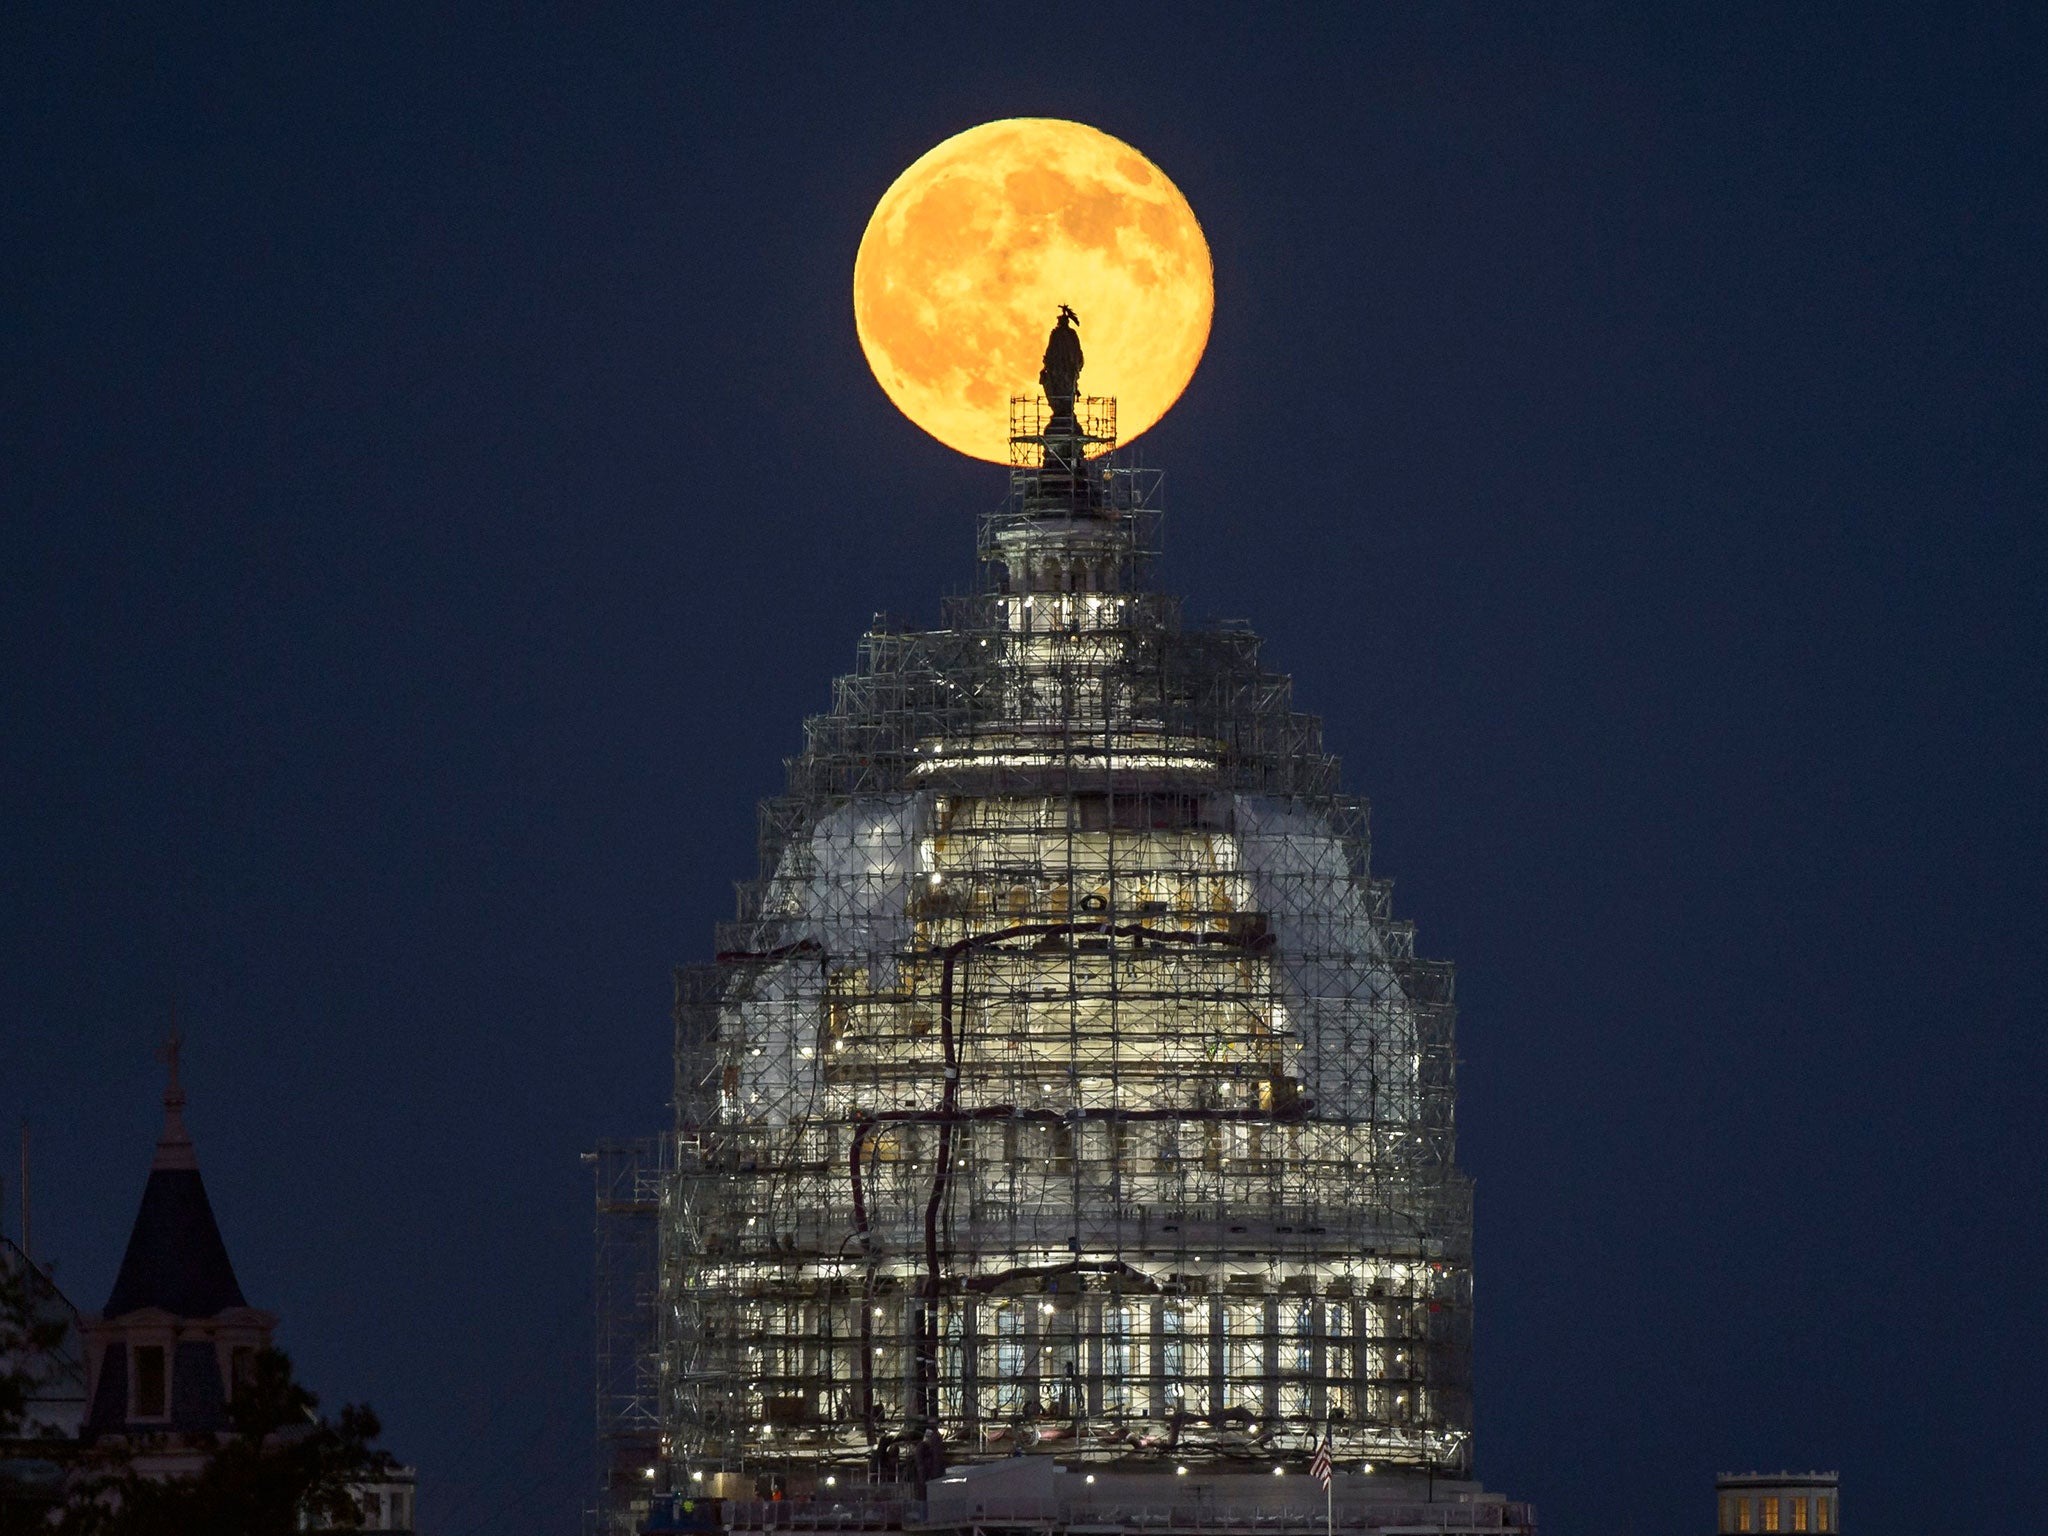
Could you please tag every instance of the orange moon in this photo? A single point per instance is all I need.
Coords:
(972, 251)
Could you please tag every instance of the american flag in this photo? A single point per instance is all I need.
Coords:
(1320, 1467)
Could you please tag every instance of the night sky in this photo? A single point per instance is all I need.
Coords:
(438, 474)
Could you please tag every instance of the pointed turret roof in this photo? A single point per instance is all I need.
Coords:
(176, 1259)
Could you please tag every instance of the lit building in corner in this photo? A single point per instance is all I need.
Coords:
(1778, 1501)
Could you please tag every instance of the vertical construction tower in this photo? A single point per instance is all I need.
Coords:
(1065, 1084)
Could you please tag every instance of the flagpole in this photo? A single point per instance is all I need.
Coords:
(1325, 1471)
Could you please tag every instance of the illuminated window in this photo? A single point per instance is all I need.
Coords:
(951, 1367)
(1009, 1361)
(1116, 1359)
(1172, 1353)
(1770, 1514)
(1304, 1339)
(1243, 1355)
(1742, 1514)
(1799, 1514)
(1337, 1359)
(1185, 1361)
(1823, 1513)
(1298, 1363)
(1727, 1515)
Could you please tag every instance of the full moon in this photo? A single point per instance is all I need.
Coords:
(972, 251)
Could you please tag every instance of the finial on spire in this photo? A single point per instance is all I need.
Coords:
(174, 1147)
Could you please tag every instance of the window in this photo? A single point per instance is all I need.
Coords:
(1298, 1360)
(1116, 1359)
(952, 1371)
(1823, 1513)
(1742, 1514)
(1337, 1359)
(373, 1508)
(1184, 1359)
(1009, 1361)
(1304, 1339)
(1059, 1353)
(241, 1369)
(1243, 1355)
(150, 1382)
(1799, 1514)
(1770, 1514)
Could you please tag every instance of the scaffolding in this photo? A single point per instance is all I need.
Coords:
(1065, 1083)
(629, 1177)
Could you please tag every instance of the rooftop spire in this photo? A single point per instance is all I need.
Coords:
(175, 1259)
(174, 1147)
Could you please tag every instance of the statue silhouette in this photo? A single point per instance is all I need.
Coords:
(1060, 377)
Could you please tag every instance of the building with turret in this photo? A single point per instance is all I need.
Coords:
(164, 1359)
(164, 1355)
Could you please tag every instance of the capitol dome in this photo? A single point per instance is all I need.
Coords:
(1066, 1084)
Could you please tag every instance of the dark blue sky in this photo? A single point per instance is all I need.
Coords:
(437, 474)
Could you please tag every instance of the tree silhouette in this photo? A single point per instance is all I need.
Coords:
(29, 1335)
(280, 1470)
